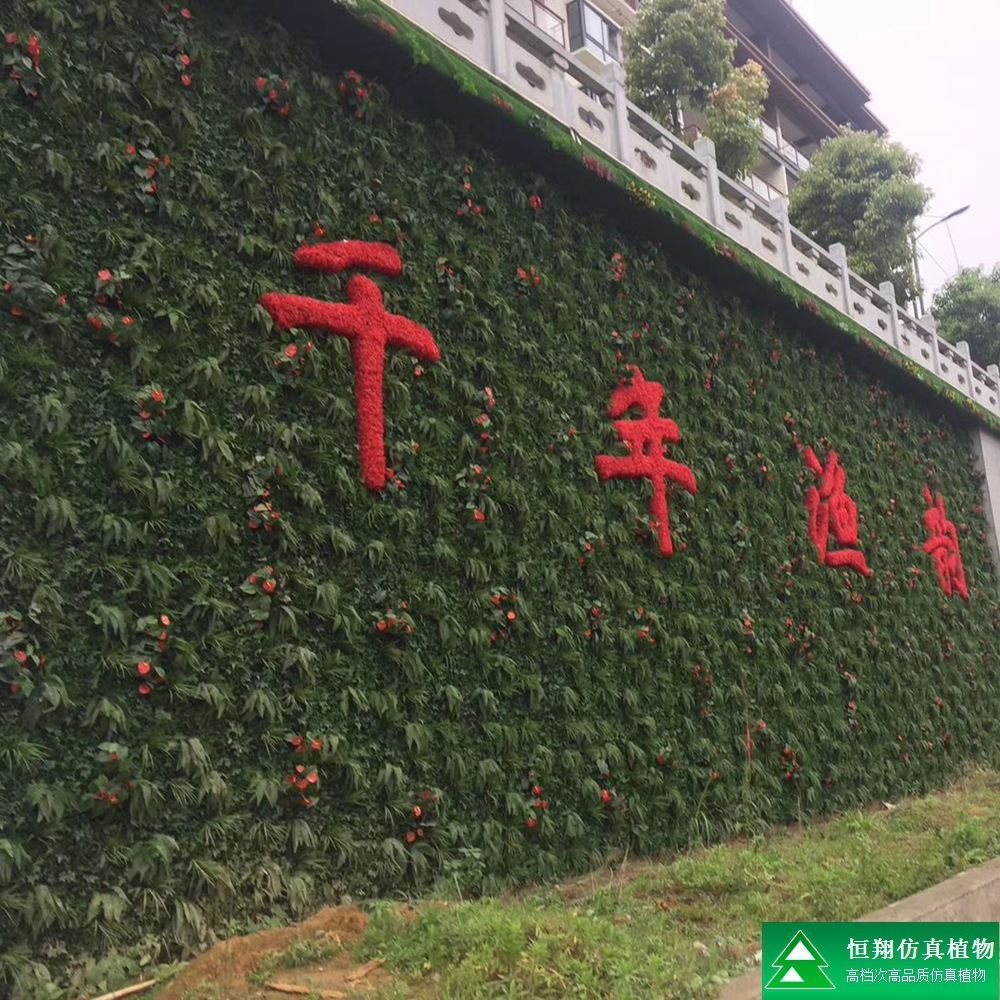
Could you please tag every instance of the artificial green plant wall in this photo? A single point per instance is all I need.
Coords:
(236, 681)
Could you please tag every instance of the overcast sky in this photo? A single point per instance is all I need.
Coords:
(932, 69)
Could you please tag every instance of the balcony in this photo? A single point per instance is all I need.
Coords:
(541, 17)
(784, 149)
(760, 187)
(592, 35)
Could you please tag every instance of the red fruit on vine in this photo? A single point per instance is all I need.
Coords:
(143, 668)
(145, 690)
(410, 836)
(269, 586)
(531, 823)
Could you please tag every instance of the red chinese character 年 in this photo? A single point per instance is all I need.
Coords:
(942, 544)
(364, 321)
(833, 512)
(645, 439)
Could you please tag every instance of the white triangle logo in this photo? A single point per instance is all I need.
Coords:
(800, 953)
(791, 976)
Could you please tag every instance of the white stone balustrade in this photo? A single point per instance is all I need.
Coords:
(503, 42)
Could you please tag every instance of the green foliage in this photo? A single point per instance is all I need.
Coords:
(733, 114)
(145, 751)
(861, 190)
(968, 308)
(678, 52)
(674, 930)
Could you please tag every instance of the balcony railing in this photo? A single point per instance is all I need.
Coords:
(760, 186)
(798, 160)
(541, 17)
(533, 62)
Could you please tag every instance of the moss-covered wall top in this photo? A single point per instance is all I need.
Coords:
(236, 681)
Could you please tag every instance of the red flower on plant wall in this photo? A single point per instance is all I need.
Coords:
(365, 322)
(832, 511)
(645, 439)
(942, 544)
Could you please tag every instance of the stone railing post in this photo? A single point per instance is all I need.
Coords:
(619, 111)
(928, 322)
(962, 348)
(839, 253)
(560, 104)
(498, 38)
(705, 148)
(888, 290)
(779, 207)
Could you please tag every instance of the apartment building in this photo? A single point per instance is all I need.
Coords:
(812, 94)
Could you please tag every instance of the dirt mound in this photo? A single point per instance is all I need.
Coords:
(221, 972)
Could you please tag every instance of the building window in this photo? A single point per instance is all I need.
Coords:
(589, 29)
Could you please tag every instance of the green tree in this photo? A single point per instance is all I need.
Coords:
(733, 114)
(862, 191)
(677, 52)
(968, 308)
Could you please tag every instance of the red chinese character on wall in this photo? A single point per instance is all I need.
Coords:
(645, 439)
(833, 512)
(365, 322)
(942, 544)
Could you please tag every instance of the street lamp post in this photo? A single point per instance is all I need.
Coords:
(916, 258)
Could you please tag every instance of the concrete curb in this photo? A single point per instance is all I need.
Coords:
(973, 895)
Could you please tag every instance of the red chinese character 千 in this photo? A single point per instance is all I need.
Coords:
(942, 544)
(645, 439)
(364, 321)
(832, 511)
